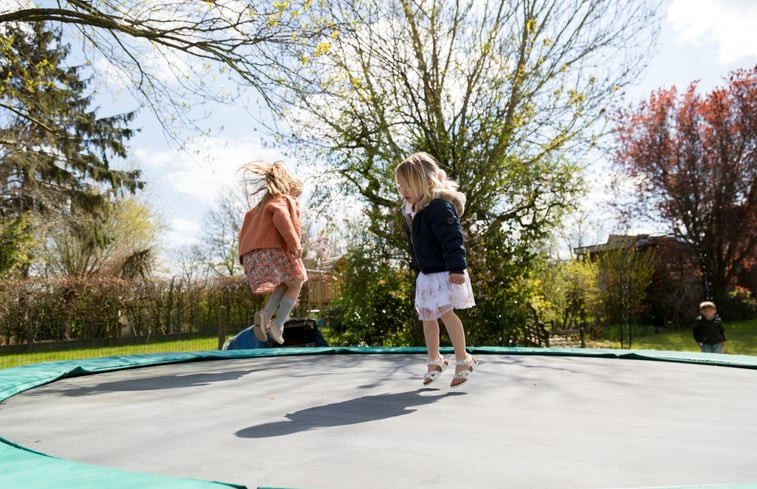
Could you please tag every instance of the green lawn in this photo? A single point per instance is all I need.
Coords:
(741, 335)
(187, 345)
(742, 340)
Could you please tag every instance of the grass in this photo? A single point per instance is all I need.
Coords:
(742, 340)
(186, 345)
(741, 335)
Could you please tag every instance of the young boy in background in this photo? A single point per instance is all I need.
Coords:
(708, 329)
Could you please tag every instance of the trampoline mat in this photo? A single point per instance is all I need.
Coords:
(357, 420)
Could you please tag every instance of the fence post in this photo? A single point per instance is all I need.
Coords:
(221, 326)
(29, 335)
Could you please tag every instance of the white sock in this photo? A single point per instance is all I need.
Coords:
(274, 300)
(285, 307)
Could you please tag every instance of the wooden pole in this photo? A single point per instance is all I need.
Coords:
(221, 326)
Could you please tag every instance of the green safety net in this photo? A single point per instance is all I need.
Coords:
(22, 467)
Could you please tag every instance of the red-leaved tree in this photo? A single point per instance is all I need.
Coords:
(693, 160)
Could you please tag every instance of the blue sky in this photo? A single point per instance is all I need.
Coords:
(700, 40)
(704, 40)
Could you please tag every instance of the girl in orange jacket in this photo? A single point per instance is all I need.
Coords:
(270, 246)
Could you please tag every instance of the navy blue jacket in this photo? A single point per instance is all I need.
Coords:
(709, 332)
(436, 239)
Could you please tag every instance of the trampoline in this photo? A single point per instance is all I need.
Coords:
(331, 418)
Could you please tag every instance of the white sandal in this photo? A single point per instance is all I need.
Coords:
(276, 333)
(439, 365)
(462, 376)
(260, 321)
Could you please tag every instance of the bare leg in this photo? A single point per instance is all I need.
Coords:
(431, 334)
(457, 336)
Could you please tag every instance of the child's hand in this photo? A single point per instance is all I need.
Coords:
(297, 253)
(456, 278)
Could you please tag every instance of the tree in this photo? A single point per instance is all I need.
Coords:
(496, 91)
(174, 55)
(220, 235)
(117, 240)
(694, 164)
(506, 95)
(626, 270)
(571, 293)
(676, 288)
(54, 150)
(16, 245)
(192, 264)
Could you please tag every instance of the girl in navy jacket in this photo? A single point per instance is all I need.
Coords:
(432, 207)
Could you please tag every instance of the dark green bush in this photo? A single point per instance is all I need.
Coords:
(376, 306)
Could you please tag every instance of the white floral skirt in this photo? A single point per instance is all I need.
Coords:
(435, 296)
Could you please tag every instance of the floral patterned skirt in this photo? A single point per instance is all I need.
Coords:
(435, 296)
(266, 268)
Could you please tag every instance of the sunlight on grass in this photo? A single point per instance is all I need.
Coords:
(742, 340)
(190, 345)
(741, 336)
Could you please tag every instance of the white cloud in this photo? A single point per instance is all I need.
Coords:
(185, 226)
(181, 232)
(184, 185)
(205, 169)
(729, 24)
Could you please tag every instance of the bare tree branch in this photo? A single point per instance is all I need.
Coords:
(507, 95)
(241, 42)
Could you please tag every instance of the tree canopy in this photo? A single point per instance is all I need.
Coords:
(54, 148)
(176, 55)
(693, 160)
(119, 239)
(506, 95)
(499, 92)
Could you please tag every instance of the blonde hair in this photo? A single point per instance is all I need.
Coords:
(270, 179)
(424, 177)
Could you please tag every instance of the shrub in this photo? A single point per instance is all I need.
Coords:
(376, 306)
(89, 308)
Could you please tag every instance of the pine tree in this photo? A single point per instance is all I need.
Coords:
(55, 152)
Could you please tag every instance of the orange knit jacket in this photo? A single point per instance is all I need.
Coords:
(273, 224)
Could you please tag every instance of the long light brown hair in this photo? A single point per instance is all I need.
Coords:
(270, 179)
